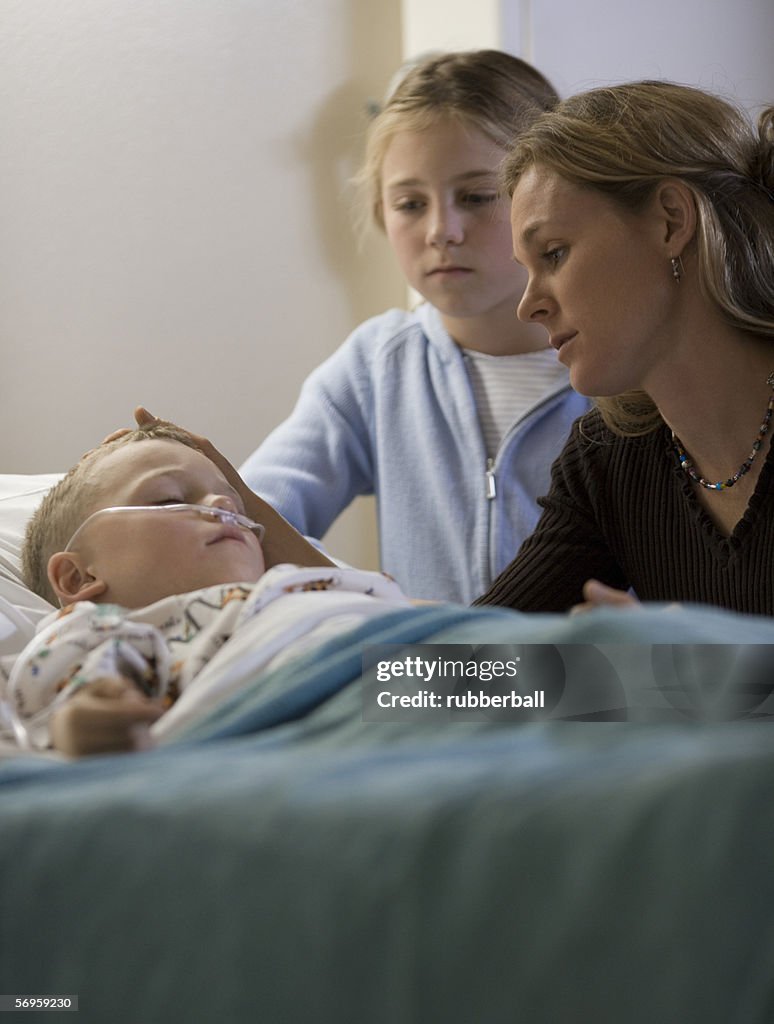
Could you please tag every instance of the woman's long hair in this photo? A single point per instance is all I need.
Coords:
(624, 140)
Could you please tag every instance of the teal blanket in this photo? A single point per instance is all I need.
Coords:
(289, 858)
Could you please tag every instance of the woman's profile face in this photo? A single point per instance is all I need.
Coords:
(600, 281)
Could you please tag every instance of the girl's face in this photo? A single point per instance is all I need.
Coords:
(448, 223)
(600, 281)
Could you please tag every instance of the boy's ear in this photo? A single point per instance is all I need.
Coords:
(70, 580)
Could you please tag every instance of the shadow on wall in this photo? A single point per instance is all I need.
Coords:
(364, 267)
(333, 148)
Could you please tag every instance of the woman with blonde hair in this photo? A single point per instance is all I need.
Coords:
(644, 215)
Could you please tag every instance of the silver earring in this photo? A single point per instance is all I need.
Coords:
(677, 268)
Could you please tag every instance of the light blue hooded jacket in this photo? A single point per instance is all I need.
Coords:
(392, 413)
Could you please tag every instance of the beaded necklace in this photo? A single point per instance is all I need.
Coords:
(722, 485)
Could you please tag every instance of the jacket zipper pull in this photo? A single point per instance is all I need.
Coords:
(491, 485)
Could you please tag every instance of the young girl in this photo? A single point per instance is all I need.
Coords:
(644, 214)
(451, 414)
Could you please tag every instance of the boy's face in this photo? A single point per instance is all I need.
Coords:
(145, 556)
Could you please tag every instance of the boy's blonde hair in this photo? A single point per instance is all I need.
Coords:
(486, 89)
(74, 498)
(623, 141)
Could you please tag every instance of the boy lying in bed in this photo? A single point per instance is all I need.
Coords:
(148, 549)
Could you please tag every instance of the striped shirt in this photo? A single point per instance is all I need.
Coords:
(506, 388)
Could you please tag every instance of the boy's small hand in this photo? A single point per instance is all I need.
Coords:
(105, 716)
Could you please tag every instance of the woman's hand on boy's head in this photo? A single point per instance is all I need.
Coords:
(281, 542)
(109, 715)
(142, 417)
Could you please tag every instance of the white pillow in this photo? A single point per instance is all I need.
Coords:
(20, 495)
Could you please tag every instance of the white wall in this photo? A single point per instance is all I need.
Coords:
(450, 25)
(721, 45)
(174, 229)
(724, 46)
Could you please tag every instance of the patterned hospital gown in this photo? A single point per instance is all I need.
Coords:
(165, 646)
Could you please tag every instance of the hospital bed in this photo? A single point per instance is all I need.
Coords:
(301, 852)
